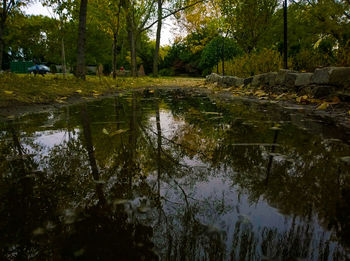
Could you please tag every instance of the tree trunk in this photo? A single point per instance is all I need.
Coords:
(80, 73)
(132, 39)
(114, 63)
(115, 41)
(133, 53)
(1, 44)
(159, 29)
(63, 59)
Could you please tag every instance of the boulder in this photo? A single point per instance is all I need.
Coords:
(281, 76)
(258, 80)
(303, 79)
(270, 78)
(297, 79)
(338, 76)
(247, 81)
(322, 91)
(231, 81)
(213, 78)
(264, 79)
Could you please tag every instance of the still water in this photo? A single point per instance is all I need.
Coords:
(174, 175)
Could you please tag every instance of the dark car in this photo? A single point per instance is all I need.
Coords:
(41, 69)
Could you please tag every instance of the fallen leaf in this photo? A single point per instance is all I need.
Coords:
(117, 132)
(105, 131)
(78, 91)
(8, 92)
(335, 100)
(280, 96)
(323, 106)
(346, 159)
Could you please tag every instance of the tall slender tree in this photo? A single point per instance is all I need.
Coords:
(80, 72)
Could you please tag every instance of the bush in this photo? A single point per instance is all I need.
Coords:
(343, 55)
(166, 72)
(253, 63)
(310, 59)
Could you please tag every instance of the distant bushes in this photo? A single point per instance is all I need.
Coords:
(252, 63)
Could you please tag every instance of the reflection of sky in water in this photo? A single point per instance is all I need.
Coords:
(216, 202)
(46, 140)
(49, 139)
(220, 203)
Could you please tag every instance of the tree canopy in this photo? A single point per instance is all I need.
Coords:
(118, 34)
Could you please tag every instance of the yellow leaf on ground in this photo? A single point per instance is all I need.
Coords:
(335, 100)
(280, 96)
(60, 101)
(323, 106)
(117, 132)
(105, 131)
(78, 91)
(8, 92)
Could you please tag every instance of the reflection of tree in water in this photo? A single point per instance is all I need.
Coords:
(38, 215)
(102, 196)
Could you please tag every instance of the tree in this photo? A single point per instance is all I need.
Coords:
(80, 73)
(217, 49)
(108, 15)
(6, 9)
(63, 9)
(249, 20)
(178, 7)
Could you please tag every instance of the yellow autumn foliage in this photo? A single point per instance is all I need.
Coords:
(254, 63)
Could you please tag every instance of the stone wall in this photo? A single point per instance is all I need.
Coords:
(322, 83)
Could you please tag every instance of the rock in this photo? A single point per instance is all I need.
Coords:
(258, 80)
(239, 82)
(297, 80)
(247, 81)
(270, 78)
(228, 80)
(264, 79)
(321, 91)
(338, 76)
(281, 76)
(303, 79)
(231, 81)
(212, 78)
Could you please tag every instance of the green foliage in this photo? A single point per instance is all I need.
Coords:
(254, 63)
(217, 49)
(310, 59)
(166, 72)
(249, 20)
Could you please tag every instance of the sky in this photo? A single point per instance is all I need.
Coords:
(167, 37)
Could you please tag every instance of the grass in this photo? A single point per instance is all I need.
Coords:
(25, 89)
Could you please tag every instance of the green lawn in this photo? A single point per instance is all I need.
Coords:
(16, 89)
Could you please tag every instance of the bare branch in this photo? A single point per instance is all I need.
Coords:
(172, 13)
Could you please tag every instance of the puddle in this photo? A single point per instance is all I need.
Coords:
(174, 176)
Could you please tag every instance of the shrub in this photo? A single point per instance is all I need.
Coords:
(343, 55)
(253, 63)
(310, 59)
(166, 72)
